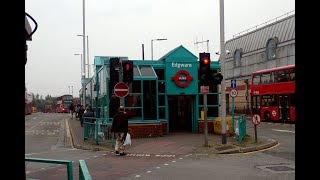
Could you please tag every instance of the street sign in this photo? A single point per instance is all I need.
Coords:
(256, 119)
(204, 89)
(233, 93)
(233, 83)
(121, 89)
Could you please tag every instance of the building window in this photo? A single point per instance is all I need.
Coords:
(271, 48)
(237, 58)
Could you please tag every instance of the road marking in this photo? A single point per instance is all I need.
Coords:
(68, 133)
(138, 176)
(166, 164)
(173, 161)
(35, 125)
(283, 130)
(148, 155)
(148, 171)
(158, 167)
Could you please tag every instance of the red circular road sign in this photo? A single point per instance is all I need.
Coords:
(256, 119)
(121, 89)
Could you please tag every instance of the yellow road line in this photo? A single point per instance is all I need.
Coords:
(68, 133)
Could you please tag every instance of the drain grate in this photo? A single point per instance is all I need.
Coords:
(224, 147)
(278, 168)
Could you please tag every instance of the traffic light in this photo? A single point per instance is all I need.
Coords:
(114, 75)
(127, 69)
(215, 77)
(204, 71)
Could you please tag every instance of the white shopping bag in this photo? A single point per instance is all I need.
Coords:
(127, 141)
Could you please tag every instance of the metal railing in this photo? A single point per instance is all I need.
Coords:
(54, 161)
(83, 170)
(242, 127)
(97, 130)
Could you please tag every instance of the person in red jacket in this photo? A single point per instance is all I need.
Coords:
(120, 129)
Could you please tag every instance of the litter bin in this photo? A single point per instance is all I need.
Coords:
(217, 125)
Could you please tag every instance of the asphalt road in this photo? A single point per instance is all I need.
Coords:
(46, 138)
(274, 163)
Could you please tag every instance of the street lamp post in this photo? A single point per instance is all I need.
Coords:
(81, 64)
(84, 54)
(88, 64)
(152, 45)
(222, 58)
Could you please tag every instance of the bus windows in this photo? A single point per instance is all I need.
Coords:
(256, 79)
(283, 76)
(292, 75)
(265, 78)
(266, 101)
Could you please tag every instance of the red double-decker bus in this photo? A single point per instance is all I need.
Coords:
(63, 103)
(273, 94)
(28, 103)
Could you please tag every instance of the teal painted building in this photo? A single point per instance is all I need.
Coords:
(164, 96)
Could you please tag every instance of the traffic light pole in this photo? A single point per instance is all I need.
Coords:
(205, 120)
(121, 80)
(223, 85)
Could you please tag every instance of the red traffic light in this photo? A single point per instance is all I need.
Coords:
(206, 61)
(128, 67)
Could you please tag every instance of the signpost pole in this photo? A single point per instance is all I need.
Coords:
(233, 93)
(232, 114)
(255, 134)
(256, 121)
(205, 120)
(205, 90)
(121, 80)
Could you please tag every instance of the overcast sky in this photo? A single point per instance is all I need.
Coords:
(120, 27)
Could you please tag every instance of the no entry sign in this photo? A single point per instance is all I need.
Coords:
(121, 89)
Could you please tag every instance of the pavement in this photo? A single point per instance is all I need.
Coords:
(174, 143)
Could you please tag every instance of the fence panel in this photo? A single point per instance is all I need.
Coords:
(242, 127)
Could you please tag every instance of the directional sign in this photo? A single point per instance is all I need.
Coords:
(256, 119)
(233, 93)
(233, 83)
(121, 89)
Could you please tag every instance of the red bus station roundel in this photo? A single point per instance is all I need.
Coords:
(182, 78)
(121, 89)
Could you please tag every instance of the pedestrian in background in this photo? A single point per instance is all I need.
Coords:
(80, 114)
(77, 110)
(71, 109)
(87, 113)
(120, 129)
